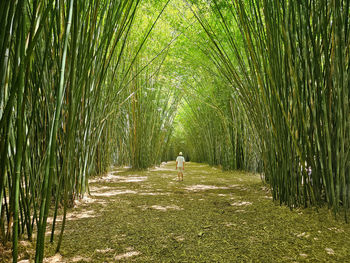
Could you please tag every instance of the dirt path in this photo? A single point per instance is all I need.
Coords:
(211, 216)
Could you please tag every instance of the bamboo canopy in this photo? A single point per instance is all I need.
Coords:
(260, 86)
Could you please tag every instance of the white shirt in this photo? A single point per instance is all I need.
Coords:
(180, 161)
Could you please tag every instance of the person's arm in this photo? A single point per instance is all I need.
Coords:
(176, 165)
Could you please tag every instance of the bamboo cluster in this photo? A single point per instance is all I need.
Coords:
(288, 64)
(215, 129)
(72, 103)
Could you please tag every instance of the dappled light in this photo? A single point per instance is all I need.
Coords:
(54, 259)
(80, 259)
(163, 168)
(162, 208)
(88, 199)
(172, 216)
(150, 193)
(110, 177)
(200, 187)
(81, 215)
(103, 251)
(127, 255)
(243, 203)
(115, 192)
(174, 131)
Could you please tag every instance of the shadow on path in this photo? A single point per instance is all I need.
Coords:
(212, 216)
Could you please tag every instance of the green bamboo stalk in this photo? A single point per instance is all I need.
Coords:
(44, 209)
(20, 132)
(294, 57)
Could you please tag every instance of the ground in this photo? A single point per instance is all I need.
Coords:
(212, 216)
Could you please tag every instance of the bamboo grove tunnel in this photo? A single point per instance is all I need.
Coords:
(261, 87)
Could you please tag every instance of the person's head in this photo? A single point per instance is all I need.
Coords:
(180, 153)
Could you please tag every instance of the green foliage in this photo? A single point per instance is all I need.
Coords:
(211, 125)
(243, 84)
(291, 78)
(67, 72)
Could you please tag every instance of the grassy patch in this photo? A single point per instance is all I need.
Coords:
(211, 216)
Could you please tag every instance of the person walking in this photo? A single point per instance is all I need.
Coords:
(180, 166)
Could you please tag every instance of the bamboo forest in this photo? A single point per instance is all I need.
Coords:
(174, 131)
